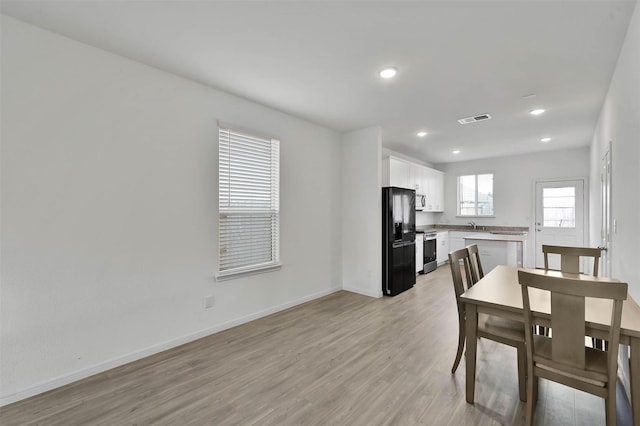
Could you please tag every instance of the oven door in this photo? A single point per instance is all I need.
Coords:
(429, 254)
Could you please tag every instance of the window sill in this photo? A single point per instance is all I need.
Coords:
(225, 276)
(471, 217)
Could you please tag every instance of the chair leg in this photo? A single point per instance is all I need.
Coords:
(461, 339)
(610, 405)
(531, 398)
(522, 373)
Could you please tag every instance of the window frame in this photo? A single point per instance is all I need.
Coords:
(229, 211)
(458, 196)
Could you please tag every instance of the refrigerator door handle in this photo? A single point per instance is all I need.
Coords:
(402, 244)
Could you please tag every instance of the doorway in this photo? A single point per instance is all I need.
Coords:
(559, 217)
(605, 199)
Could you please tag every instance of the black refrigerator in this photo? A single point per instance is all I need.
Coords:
(398, 240)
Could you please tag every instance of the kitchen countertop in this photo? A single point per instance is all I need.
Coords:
(518, 231)
(486, 236)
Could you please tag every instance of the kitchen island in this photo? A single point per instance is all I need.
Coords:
(499, 248)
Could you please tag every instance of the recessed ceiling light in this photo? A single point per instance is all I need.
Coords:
(545, 140)
(537, 111)
(457, 151)
(388, 72)
(421, 134)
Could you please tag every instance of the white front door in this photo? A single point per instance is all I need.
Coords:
(559, 218)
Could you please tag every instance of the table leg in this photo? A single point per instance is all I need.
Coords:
(472, 339)
(635, 378)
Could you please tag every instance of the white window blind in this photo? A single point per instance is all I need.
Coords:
(249, 202)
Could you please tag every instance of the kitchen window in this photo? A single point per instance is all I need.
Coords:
(475, 195)
(248, 202)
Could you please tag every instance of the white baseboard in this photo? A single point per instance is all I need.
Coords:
(365, 292)
(152, 350)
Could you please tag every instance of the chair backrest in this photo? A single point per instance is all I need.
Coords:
(570, 257)
(456, 272)
(568, 316)
(476, 265)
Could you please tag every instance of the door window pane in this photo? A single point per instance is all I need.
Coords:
(559, 207)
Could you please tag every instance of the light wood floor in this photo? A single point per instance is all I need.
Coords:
(344, 359)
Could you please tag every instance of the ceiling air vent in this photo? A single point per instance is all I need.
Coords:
(474, 119)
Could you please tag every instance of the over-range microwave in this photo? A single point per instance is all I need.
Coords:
(421, 202)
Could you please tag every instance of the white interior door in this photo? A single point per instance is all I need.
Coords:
(559, 218)
(605, 233)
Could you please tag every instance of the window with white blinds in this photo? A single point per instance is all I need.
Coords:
(249, 203)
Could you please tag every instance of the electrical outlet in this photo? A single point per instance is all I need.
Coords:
(208, 301)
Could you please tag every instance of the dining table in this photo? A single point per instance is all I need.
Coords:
(499, 293)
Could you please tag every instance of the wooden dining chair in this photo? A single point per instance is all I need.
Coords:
(564, 358)
(570, 262)
(501, 330)
(570, 257)
(475, 264)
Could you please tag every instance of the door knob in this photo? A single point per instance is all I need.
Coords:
(538, 229)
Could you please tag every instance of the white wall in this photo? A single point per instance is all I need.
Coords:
(109, 186)
(514, 178)
(619, 123)
(427, 218)
(361, 213)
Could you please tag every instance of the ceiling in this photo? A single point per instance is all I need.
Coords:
(319, 60)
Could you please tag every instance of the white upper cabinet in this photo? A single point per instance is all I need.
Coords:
(437, 191)
(396, 172)
(424, 180)
(428, 189)
(415, 178)
(433, 183)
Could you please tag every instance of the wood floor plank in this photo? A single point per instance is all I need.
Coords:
(344, 359)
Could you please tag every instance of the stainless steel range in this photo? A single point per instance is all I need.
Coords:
(430, 246)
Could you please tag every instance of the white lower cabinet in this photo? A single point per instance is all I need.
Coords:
(419, 252)
(442, 250)
(456, 240)
(494, 253)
